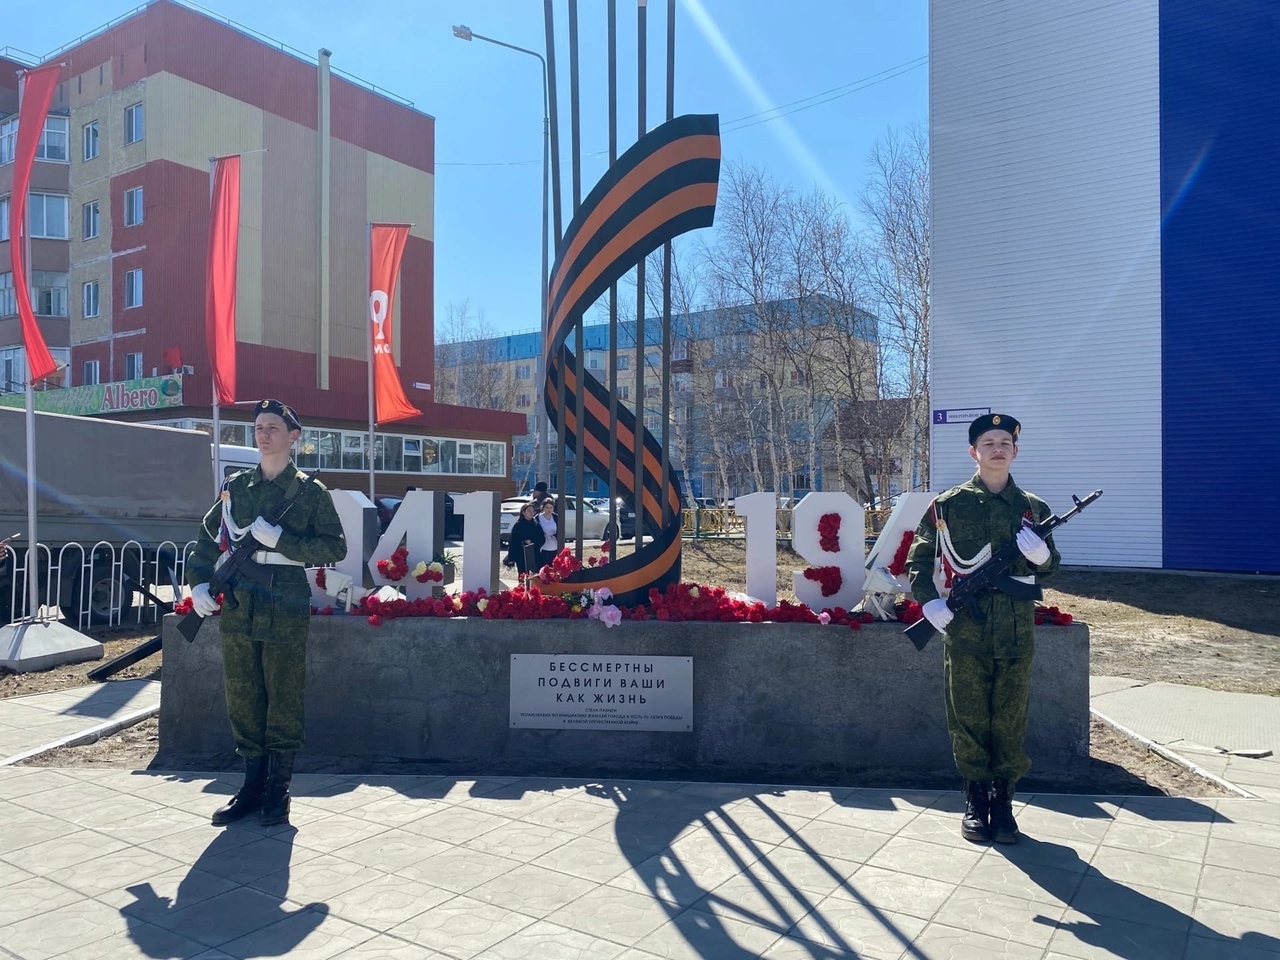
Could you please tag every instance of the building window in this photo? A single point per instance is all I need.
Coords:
(133, 207)
(49, 216)
(523, 401)
(133, 125)
(680, 349)
(524, 371)
(133, 366)
(797, 378)
(624, 363)
(89, 299)
(624, 393)
(724, 379)
(9, 360)
(89, 373)
(90, 134)
(89, 220)
(53, 141)
(594, 361)
(133, 288)
(4, 218)
(8, 302)
(49, 293)
(8, 139)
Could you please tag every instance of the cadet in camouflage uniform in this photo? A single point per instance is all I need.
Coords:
(987, 664)
(264, 638)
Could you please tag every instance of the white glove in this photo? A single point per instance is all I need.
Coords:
(1032, 547)
(202, 601)
(267, 534)
(938, 613)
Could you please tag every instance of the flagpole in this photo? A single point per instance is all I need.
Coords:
(33, 554)
(213, 378)
(368, 340)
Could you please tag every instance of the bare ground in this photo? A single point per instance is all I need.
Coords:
(1211, 631)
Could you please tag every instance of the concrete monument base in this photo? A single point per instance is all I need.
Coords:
(27, 647)
(771, 702)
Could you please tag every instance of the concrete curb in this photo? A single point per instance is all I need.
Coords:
(87, 736)
(1163, 751)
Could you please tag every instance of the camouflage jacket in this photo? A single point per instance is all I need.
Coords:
(975, 517)
(312, 534)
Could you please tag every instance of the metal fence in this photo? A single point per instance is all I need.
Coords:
(712, 522)
(92, 585)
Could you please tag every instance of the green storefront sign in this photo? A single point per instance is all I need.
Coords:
(149, 393)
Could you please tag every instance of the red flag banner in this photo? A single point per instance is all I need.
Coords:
(220, 276)
(386, 247)
(37, 92)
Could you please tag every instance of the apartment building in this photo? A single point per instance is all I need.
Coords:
(119, 223)
(753, 393)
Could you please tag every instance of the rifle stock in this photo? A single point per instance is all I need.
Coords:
(995, 573)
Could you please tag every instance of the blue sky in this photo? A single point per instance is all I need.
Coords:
(736, 58)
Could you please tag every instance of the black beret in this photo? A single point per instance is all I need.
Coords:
(281, 410)
(993, 421)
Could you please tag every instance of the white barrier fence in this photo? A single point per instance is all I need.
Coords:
(92, 585)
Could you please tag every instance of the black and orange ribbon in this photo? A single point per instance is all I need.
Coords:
(662, 187)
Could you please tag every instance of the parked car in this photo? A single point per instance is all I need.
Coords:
(387, 507)
(594, 521)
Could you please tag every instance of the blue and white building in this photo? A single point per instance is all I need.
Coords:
(1106, 265)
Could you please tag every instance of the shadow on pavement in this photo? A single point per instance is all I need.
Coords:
(1122, 921)
(214, 907)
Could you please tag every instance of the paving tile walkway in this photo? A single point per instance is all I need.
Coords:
(119, 864)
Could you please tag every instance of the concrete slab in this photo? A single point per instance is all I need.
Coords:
(1176, 715)
(26, 647)
(1101, 685)
(102, 863)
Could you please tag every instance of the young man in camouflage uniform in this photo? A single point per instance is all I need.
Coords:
(264, 638)
(987, 663)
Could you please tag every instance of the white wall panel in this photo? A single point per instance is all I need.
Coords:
(1044, 123)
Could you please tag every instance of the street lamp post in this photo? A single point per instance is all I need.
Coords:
(463, 32)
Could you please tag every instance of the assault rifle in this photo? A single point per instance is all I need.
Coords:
(994, 574)
(239, 564)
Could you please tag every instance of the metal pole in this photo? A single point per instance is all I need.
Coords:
(666, 282)
(543, 470)
(368, 341)
(33, 552)
(580, 393)
(641, 75)
(613, 293)
(554, 114)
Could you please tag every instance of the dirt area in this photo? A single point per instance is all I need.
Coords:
(1205, 630)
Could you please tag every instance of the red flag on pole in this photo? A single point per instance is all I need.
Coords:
(386, 246)
(37, 92)
(220, 276)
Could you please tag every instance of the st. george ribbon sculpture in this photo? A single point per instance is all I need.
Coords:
(663, 186)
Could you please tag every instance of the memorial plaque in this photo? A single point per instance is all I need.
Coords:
(597, 692)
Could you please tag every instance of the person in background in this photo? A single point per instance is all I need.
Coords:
(264, 637)
(986, 661)
(526, 539)
(550, 529)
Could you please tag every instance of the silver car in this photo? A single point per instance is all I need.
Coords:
(594, 520)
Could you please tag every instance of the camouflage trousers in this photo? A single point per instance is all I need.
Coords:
(987, 703)
(265, 688)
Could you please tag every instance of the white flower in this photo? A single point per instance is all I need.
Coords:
(482, 603)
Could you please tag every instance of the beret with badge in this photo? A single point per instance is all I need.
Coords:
(993, 421)
(281, 410)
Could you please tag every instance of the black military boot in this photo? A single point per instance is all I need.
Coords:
(249, 797)
(275, 801)
(1004, 829)
(977, 811)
